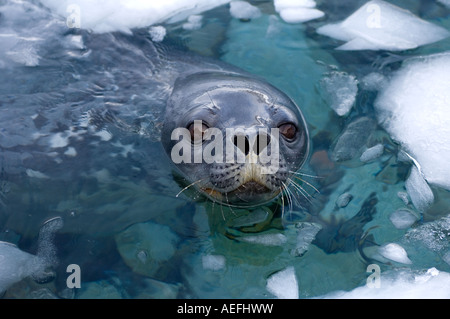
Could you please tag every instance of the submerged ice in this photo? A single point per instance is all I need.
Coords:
(379, 25)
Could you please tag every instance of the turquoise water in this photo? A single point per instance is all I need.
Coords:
(80, 141)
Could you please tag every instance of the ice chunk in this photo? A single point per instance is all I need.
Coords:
(285, 4)
(213, 262)
(244, 10)
(372, 153)
(373, 81)
(434, 235)
(403, 218)
(292, 11)
(339, 90)
(283, 284)
(306, 234)
(394, 252)
(414, 109)
(157, 33)
(379, 25)
(119, 15)
(344, 199)
(299, 15)
(266, 239)
(194, 22)
(403, 284)
(418, 190)
(353, 138)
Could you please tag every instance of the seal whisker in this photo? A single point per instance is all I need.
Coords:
(301, 190)
(307, 183)
(304, 174)
(289, 197)
(190, 185)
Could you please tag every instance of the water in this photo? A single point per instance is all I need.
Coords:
(79, 140)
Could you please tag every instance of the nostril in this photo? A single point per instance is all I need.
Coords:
(262, 140)
(241, 141)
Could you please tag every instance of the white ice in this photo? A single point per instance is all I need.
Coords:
(120, 15)
(403, 284)
(415, 109)
(394, 252)
(194, 22)
(379, 25)
(157, 33)
(283, 284)
(213, 262)
(418, 190)
(372, 153)
(244, 10)
(403, 218)
(339, 90)
(299, 11)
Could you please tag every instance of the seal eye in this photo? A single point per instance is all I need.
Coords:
(197, 129)
(288, 130)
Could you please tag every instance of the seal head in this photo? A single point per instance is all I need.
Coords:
(236, 138)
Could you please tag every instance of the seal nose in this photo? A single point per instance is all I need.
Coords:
(242, 142)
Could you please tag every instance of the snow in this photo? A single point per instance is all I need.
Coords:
(244, 10)
(297, 11)
(402, 284)
(379, 25)
(283, 284)
(119, 15)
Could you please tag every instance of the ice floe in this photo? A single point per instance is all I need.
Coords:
(283, 284)
(297, 11)
(118, 15)
(414, 109)
(379, 25)
(244, 10)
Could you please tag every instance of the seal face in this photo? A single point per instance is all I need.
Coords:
(236, 138)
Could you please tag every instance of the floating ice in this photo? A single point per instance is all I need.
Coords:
(297, 11)
(432, 284)
(306, 234)
(403, 218)
(418, 190)
(266, 239)
(379, 25)
(283, 284)
(373, 81)
(344, 199)
(244, 10)
(339, 90)
(213, 262)
(372, 153)
(394, 252)
(157, 33)
(414, 109)
(194, 22)
(434, 235)
(118, 15)
(352, 139)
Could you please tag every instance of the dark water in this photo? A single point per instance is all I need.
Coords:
(80, 116)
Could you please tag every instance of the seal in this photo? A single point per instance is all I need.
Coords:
(234, 137)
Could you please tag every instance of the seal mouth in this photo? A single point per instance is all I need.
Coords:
(247, 194)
